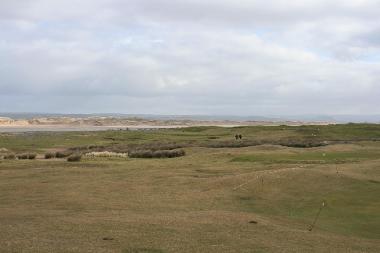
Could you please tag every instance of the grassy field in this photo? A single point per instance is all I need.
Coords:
(260, 194)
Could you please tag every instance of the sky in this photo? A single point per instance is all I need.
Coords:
(215, 57)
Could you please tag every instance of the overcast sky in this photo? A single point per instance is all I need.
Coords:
(243, 57)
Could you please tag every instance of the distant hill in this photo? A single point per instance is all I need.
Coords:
(235, 118)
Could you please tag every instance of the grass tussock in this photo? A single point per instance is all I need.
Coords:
(156, 154)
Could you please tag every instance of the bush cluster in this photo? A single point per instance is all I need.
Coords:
(63, 154)
(85, 149)
(156, 154)
(155, 146)
(74, 158)
(49, 155)
(302, 144)
(231, 144)
(125, 148)
(249, 143)
(10, 156)
(30, 156)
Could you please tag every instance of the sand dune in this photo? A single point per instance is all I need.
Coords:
(123, 122)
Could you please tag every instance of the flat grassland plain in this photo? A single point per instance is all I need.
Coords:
(258, 194)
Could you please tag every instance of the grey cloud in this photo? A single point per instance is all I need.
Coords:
(189, 56)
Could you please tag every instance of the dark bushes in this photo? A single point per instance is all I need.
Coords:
(125, 148)
(249, 143)
(90, 148)
(96, 147)
(74, 158)
(63, 154)
(156, 154)
(30, 156)
(49, 155)
(231, 144)
(22, 156)
(10, 156)
(141, 154)
(164, 146)
(302, 144)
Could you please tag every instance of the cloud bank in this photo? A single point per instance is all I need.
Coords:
(244, 57)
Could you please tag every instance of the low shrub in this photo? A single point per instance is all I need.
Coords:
(49, 155)
(22, 156)
(231, 144)
(96, 147)
(63, 154)
(155, 146)
(302, 144)
(86, 149)
(116, 149)
(32, 156)
(10, 156)
(156, 154)
(141, 154)
(74, 158)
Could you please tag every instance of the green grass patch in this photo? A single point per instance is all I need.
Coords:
(308, 157)
(352, 205)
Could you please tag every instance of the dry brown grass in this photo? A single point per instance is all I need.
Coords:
(193, 203)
